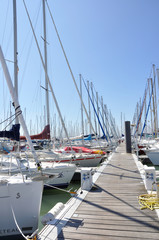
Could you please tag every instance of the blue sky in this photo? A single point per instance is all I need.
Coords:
(112, 43)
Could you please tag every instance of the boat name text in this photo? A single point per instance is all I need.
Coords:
(5, 231)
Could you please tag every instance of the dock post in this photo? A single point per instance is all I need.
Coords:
(128, 136)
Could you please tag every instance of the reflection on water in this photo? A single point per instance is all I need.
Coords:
(53, 196)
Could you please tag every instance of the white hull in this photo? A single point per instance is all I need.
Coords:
(79, 159)
(60, 173)
(25, 200)
(153, 156)
(85, 161)
(65, 171)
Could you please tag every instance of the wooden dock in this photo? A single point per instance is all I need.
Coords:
(111, 209)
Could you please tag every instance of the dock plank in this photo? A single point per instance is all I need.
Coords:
(111, 209)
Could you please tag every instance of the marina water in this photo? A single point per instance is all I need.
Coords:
(53, 196)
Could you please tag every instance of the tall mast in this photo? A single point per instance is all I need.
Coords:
(149, 83)
(98, 113)
(102, 112)
(93, 104)
(15, 52)
(106, 118)
(16, 103)
(155, 100)
(45, 57)
(157, 73)
(89, 107)
(82, 123)
(121, 124)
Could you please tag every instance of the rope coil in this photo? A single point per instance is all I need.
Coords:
(150, 201)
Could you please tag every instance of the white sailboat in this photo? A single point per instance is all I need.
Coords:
(20, 203)
(64, 171)
(20, 196)
(153, 153)
(60, 174)
(62, 157)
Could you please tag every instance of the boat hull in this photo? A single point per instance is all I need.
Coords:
(153, 156)
(22, 200)
(55, 174)
(91, 161)
(65, 174)
(80, 160)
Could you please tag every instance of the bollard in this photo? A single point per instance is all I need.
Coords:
(128, 136)
(150, 177)
(86, 179)
(157, 186)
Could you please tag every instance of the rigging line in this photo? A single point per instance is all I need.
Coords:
(14, 217)
(63, 190)
(47, 77)
(108, 118)
(94, 95)
(8, 118)
(99, 112)
(151, 72)
(141, 108)
(17, 114)
(146, 114)
(15, 220)
(29, 50)
(71, 70)
(113, 123)
(5, 23)
(95, 111)
(17, 223)
(8, 42)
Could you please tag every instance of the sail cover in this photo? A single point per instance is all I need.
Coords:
(13, 134)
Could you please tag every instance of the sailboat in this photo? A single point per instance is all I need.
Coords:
(50, 156)
(61, 157)
(20, 196)
(63, 172)
(20, 203)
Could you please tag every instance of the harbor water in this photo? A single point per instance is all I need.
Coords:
(53, 196)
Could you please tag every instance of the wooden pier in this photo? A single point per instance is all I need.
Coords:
(111, 209)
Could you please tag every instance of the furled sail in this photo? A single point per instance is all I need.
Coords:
(45, 134)
(13, 133)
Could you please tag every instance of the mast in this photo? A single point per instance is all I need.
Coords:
(45, 62)
(155, 101)
(145, 118)
(102, 113)
(89, 109)
(98, 113)
(16, 104)
(149, 83)
(82, 123)
(15, 53)
(93, 104)
(47, 77)
(157, 73)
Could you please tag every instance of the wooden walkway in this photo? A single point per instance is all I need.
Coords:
(111, 209)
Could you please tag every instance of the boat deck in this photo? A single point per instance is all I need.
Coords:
(111, 209)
